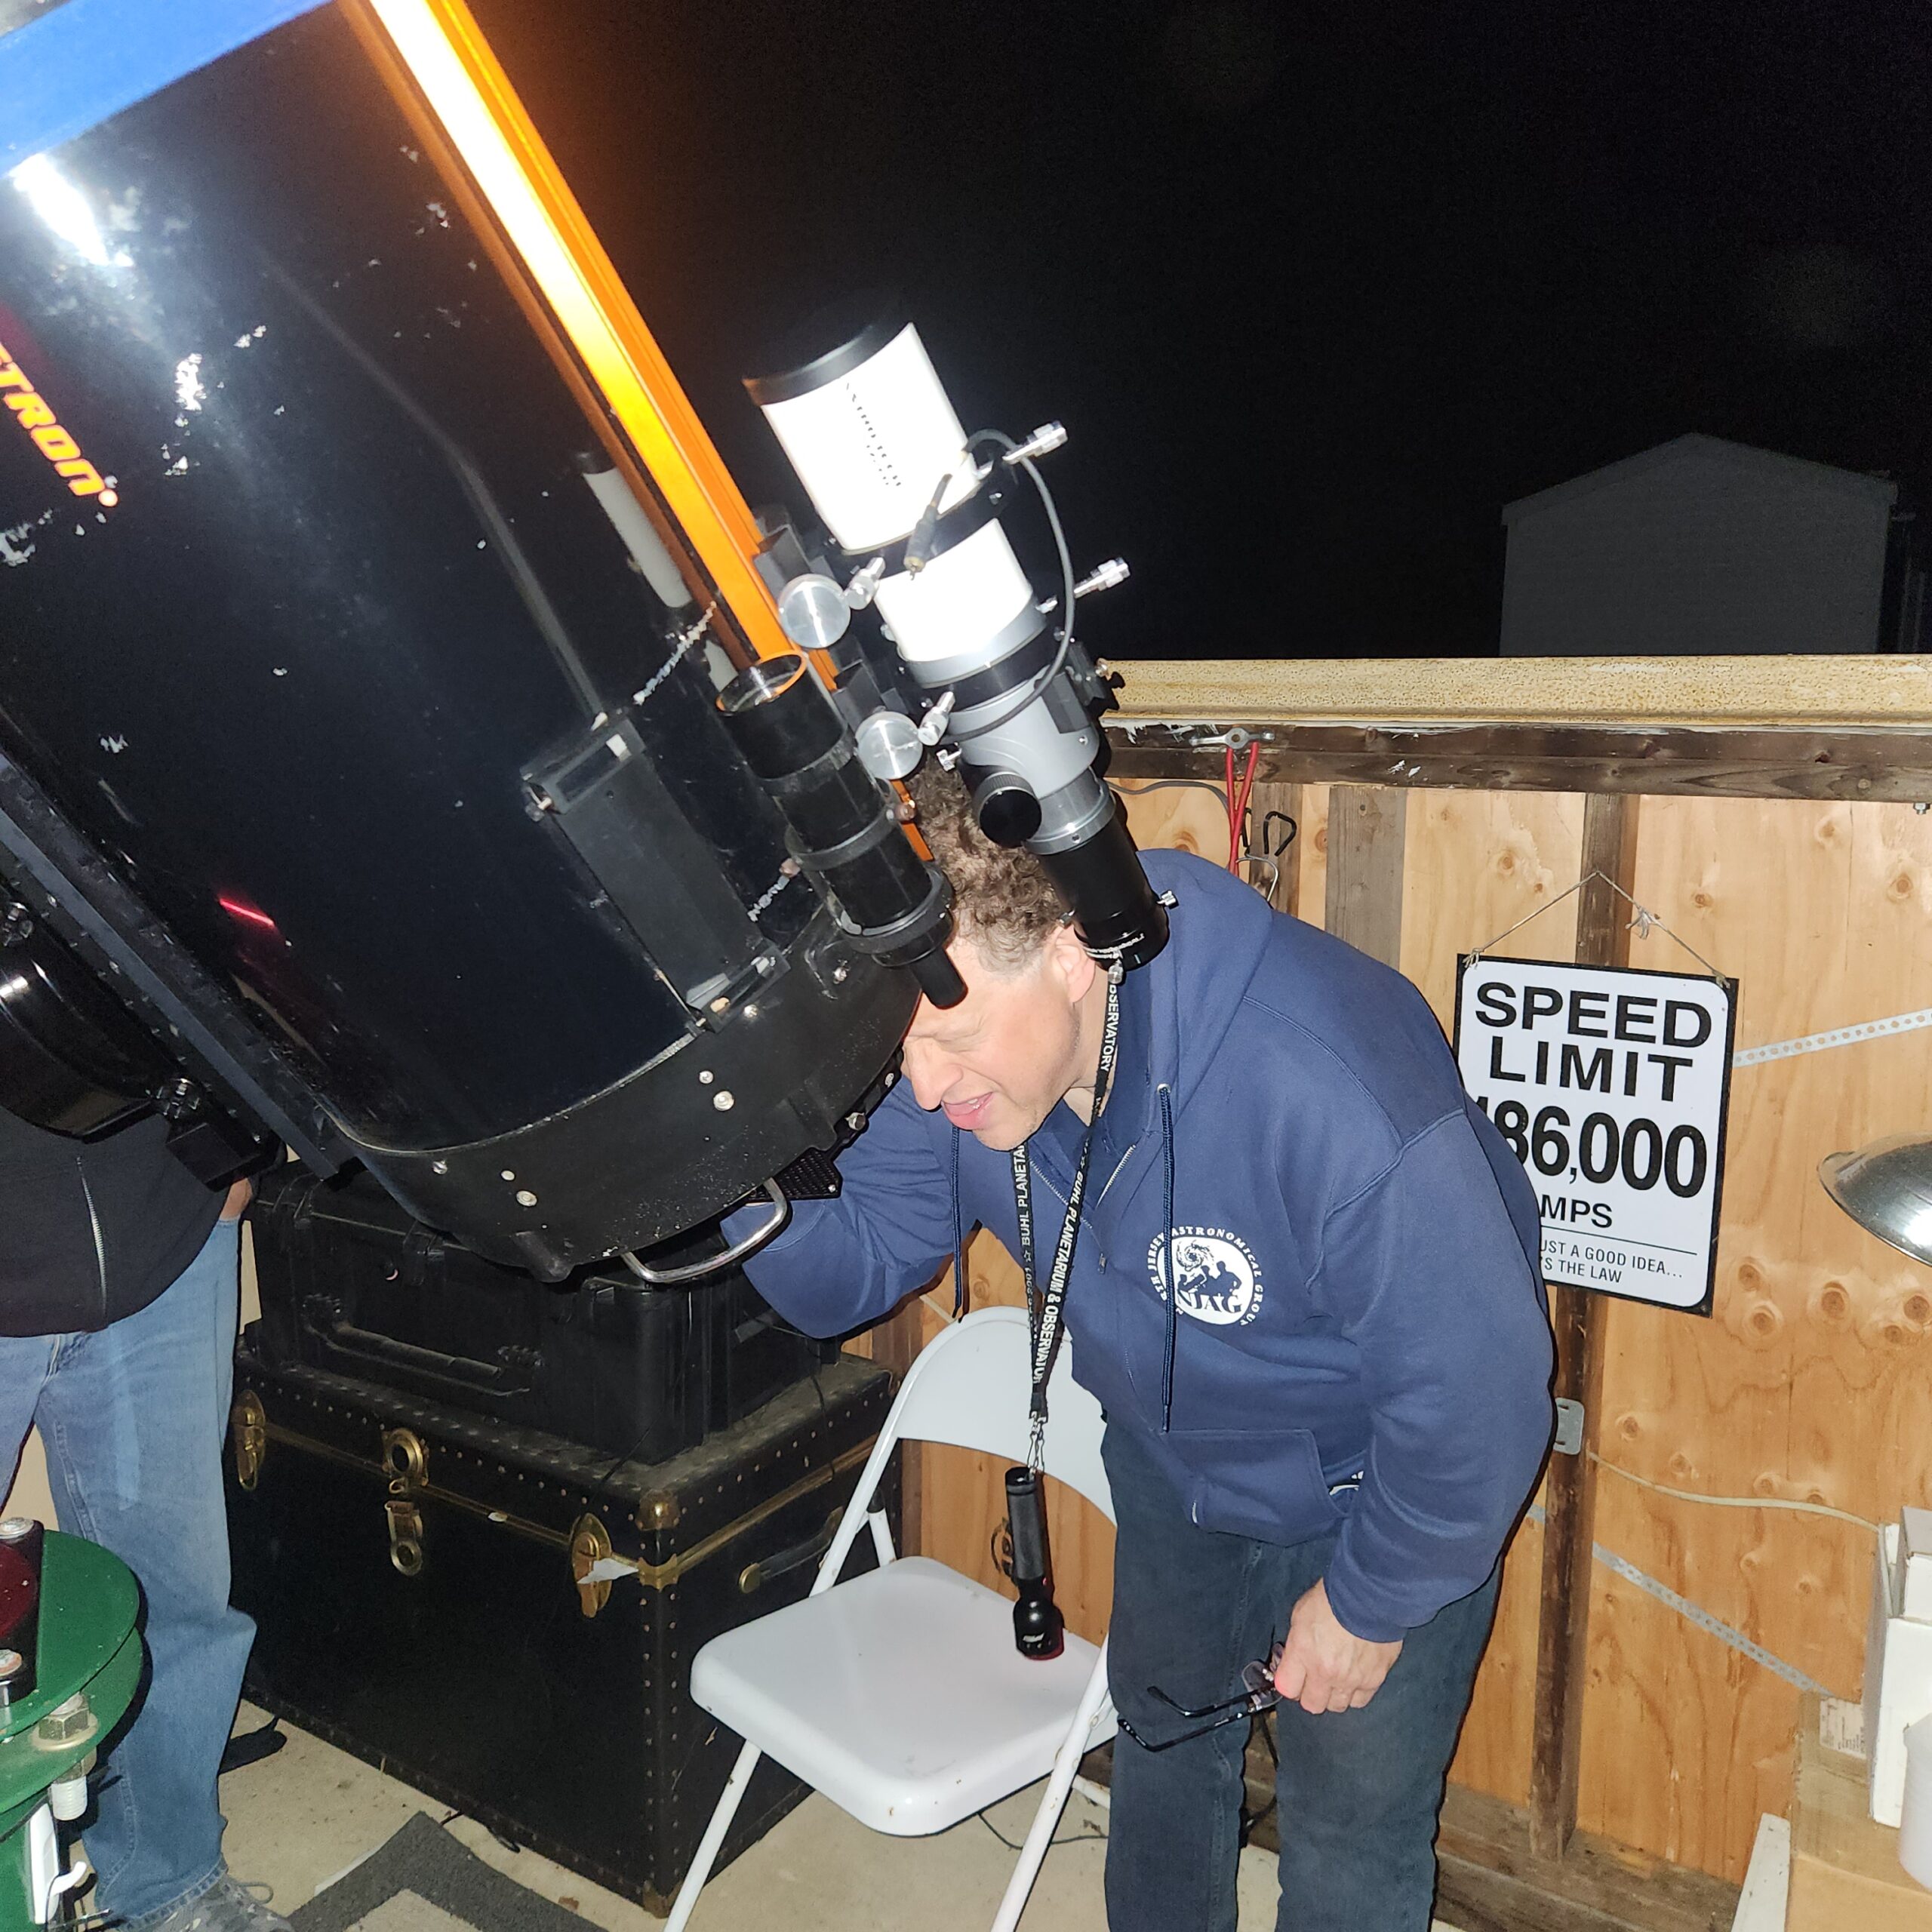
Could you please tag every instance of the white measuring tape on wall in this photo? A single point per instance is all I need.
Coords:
(1691, 1613)
(1839, 1036)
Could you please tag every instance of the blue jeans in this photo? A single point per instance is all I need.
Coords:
(1358, 1791)
(134, 1419)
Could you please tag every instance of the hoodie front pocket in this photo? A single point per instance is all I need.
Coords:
(1266, 1484)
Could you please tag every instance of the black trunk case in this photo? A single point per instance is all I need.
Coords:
(350, 1282)
(412, 1570)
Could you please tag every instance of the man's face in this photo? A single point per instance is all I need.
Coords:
(999, 1063)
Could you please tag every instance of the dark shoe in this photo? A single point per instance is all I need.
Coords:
(225, 1906)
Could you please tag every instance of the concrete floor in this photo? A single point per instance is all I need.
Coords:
(302, 1817)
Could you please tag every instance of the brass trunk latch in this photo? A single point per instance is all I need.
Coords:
(248, 1429)
(408, 1462)
(590, 1543)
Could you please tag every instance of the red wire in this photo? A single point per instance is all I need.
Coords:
(1227, 767)
(1238, 802)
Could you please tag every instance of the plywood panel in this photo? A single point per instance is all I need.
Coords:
(1811, 1381)
(1367, 830)
(1190, 815)
(1312, 846)
(1814, 1378)
(1476, 863)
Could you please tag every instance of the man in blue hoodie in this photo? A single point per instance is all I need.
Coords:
(1305, 1291)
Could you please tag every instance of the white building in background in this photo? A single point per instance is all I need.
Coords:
(1701, 546)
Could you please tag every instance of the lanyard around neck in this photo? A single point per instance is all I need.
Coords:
(1043, 1305)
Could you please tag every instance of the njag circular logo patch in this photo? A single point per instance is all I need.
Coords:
(1217, 1277)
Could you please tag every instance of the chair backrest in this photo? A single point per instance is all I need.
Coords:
(971, 1386)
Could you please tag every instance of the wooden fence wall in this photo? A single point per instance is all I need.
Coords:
(1810, 1382)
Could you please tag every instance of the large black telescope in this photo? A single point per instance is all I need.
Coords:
(341, 734)
(391, 766)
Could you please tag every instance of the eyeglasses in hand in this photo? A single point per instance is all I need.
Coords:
(1257, 1693)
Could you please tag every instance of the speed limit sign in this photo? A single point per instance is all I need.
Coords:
(1611, 1086)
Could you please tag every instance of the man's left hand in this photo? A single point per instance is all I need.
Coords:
(1324, 1667)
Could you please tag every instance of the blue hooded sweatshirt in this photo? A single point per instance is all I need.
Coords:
(1357, 1343)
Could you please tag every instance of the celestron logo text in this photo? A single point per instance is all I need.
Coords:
(51, 438)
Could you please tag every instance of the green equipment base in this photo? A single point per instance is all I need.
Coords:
(89, 1649)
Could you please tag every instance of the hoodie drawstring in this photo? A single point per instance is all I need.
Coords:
(958, 1238)
(1167, 1238)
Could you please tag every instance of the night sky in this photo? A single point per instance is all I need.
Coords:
(1317, 289)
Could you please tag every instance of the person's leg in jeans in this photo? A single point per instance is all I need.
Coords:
(1358, 1792)
(1191, 1607)
(134, 1419)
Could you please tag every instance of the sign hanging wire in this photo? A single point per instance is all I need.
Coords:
(1643, 924)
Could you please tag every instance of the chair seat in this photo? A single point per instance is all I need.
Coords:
(899, 1695)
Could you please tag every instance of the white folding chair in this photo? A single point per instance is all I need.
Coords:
(900, 1694)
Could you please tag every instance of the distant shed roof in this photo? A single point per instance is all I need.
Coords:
(1823, 475)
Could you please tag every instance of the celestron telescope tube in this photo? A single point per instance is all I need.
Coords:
(341, 729)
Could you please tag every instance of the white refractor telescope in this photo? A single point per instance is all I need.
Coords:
(985, 669)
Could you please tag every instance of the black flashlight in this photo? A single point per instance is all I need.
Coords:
(1039, 1632)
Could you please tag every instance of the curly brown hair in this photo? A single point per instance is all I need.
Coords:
(1004, 901)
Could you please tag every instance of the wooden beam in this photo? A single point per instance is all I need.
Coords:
(1805, 760)
(1603, 939)
(1491, 1879)
(1837, 691)
(1366, 830)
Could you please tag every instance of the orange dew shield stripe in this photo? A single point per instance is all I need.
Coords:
(446, 55)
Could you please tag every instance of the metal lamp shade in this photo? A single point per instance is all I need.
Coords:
(1887, 1189)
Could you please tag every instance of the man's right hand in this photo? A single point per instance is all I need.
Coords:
(1325, 1666)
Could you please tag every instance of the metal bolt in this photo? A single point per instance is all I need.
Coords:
(439, 1167)
(67, 1795)
(841, 974)
(16, 926)
(509, 1174)
(723, 1100)
(178, 1098)
(13, 1528)
(750, 1012)
(765, 962)
(705, 1076)
(524, 1198)
(855, 1120)
(11, 1664)
(1113, 571)
(1048, 438)
(66, 1722)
